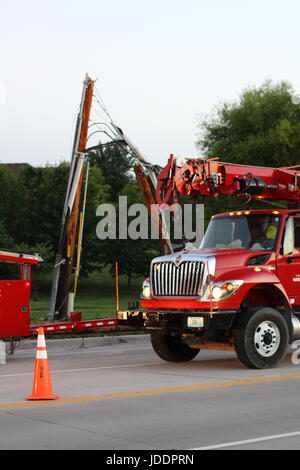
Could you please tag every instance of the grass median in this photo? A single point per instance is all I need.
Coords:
(96, 297)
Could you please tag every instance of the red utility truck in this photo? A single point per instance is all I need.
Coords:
(15, 293)
(241, 289)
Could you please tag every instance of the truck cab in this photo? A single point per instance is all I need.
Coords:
(239, 291)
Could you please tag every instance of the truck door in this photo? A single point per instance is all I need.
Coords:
(288, 261)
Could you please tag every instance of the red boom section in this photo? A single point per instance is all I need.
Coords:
(212, 178)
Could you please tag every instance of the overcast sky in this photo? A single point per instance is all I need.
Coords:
(161, 65)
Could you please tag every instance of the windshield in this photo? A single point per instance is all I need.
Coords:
(255, 232)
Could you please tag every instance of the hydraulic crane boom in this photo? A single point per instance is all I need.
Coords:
(201, 177)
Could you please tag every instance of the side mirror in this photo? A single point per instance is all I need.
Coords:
(288, 245)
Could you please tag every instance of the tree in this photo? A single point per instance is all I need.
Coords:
(10, 202)
(97, 193)
(116, 166)
(39, 215)
(133, 256)
(41, 195)
(262, 128)
(6, 240)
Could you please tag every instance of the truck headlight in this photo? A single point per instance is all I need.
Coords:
(146, 291)
(216, 292)
(222, 290)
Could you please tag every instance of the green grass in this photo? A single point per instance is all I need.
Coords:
(95, 297)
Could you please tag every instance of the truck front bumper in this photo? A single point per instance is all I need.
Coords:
(191, 320)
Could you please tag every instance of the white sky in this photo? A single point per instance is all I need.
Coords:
(161, 64)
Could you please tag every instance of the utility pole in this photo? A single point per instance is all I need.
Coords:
(62, 278)
(163, 229)
(150, 202)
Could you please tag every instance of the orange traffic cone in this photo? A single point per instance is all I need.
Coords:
(42, 388)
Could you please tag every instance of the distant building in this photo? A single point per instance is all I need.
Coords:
(15, 168)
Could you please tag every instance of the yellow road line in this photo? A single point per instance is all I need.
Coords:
(136, 393)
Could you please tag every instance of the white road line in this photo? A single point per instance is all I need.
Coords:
(248, 441)
(83, 369)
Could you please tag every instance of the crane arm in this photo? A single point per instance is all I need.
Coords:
(210, 177)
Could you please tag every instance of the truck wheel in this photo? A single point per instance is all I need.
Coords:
(172, 348)
(261, 338)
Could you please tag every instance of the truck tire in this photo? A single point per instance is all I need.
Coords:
(171, 348)
(261, 338)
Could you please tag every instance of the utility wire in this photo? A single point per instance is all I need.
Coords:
(117, 133)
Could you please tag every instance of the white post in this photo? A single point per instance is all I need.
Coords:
(70, 303)
(2, 353)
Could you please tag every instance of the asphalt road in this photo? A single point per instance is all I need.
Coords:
(123, 397)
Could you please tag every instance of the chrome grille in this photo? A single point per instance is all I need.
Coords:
(167, 279)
